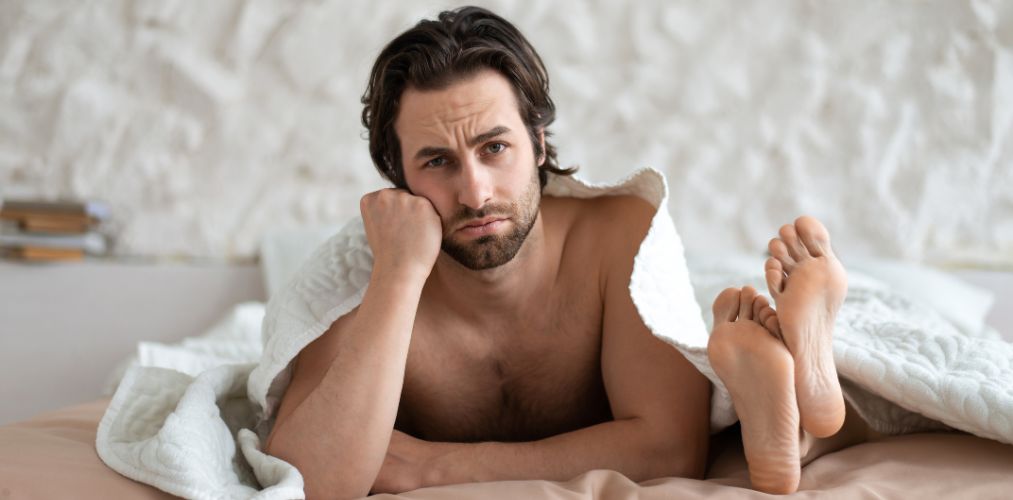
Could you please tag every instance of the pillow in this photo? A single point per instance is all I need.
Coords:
(282, 251)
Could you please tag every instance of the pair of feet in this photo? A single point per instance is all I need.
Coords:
(778, 364)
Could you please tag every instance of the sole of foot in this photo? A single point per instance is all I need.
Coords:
(808, 284)
(758, 371)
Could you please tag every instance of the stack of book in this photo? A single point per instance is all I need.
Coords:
(46, 230)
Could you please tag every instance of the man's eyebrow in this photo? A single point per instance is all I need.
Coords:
(478, 139)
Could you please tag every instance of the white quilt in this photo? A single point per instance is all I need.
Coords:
(181, 418)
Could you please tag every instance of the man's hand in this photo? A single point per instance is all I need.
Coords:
(410, 464)
(404, 231)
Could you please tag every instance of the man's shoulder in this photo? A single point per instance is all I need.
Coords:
(622, 208)
(614, 224)
(620, 216)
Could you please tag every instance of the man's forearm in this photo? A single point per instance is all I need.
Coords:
(348, 417)
(627, 446)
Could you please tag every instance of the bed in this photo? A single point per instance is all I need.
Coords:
(52, 454)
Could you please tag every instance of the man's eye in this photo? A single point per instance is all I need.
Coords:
(439, 161)
(496, 147)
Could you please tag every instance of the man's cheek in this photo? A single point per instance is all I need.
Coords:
(447, 219)
(433, 200)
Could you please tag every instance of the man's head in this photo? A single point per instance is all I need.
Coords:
(457, 111)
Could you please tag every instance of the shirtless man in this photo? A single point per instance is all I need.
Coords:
(497, 338)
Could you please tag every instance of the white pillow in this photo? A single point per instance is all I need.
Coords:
(961, 303)
(282, 251)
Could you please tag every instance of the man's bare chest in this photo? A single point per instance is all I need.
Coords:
(533, 377)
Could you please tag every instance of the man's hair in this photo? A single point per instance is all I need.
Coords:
(437, 53)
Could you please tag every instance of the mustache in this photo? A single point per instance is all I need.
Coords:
(465, 213)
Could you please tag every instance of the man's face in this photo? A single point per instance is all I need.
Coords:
(466, 149)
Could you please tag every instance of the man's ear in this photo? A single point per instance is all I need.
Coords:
(541, 140)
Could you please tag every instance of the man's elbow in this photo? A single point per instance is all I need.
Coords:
(691, 467)
(681, 457)
(322, 478)
(319, 484)
(317, 491)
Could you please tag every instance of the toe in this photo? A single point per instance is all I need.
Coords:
(759, 302)
(767, 317)
(779, 251)
(726, 306)
(773, 326)
(774, 272)
(813, 235)
(790, 238)
(746, 302)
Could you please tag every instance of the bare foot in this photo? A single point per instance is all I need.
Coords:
(759, 373)
(808, 284)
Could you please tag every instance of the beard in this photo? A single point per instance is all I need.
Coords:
(489, 251)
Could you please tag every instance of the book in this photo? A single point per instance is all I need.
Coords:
(52, 230)
(54, 217)
(42, 254)
(96, 210)
(90, 242)
(54, 224)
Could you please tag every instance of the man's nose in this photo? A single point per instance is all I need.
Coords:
(475, 185)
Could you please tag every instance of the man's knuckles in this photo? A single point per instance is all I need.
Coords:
(392, 200)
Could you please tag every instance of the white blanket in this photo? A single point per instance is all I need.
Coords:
(177, 419)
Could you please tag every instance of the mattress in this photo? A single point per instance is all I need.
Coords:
(53, 456)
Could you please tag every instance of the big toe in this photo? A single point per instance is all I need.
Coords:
(726, 305)
(813, 234)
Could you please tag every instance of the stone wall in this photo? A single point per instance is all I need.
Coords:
(205, 124)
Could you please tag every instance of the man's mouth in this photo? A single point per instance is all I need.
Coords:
(480, 227)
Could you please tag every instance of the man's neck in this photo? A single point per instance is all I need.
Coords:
(503, 291)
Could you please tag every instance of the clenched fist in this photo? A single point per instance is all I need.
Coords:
(404, 231)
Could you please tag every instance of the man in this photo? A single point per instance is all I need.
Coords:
(497, 338)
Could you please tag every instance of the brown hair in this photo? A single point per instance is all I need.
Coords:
(433, 55)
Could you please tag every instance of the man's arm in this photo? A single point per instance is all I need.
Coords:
(336, 417)
(660, 402)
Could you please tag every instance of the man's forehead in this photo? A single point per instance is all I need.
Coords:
(452, 111)
(477, 103)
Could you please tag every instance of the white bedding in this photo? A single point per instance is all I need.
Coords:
(901, 360)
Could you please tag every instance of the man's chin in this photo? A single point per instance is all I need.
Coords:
(483, 252)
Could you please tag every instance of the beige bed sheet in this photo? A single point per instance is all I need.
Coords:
(53, 456)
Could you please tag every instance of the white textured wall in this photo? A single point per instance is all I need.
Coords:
(206, 123)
